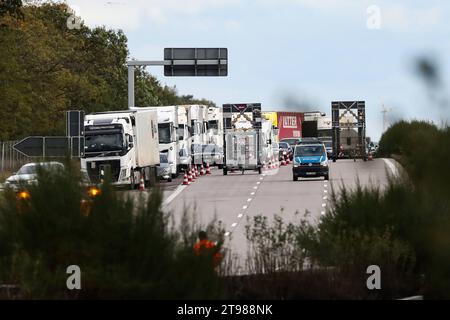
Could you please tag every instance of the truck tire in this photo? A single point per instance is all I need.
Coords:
(294, 178)
(225, 171)
(259, 170)
(327, 177)
(169, 180)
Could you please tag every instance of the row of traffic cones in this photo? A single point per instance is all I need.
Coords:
(192, 174)
(285, 160)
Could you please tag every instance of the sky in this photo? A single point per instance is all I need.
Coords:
(296, 55)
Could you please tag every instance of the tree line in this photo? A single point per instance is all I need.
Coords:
(47, 68)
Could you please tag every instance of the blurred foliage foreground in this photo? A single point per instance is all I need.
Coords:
(124, 250)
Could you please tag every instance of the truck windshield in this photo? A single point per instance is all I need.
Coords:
(104, 142)
(164, 133)
(309, 150)
(213, 124)
(163, 158)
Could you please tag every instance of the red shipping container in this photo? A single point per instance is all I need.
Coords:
(290, 124)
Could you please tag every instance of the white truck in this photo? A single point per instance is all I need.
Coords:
(215, 126)
(244, 142)
(122, 145)
(167, 132)
(184, 141)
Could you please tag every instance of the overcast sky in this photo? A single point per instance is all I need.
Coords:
(295, 54)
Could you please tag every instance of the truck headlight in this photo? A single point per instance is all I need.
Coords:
(324, 163)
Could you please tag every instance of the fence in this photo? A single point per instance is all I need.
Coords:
(10, 159)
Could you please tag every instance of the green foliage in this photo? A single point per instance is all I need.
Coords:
(47, 68)
(124, 251)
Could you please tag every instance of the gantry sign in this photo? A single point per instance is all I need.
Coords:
(184, 62)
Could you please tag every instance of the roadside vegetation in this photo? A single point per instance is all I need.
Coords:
(47, 68)
(125, 249)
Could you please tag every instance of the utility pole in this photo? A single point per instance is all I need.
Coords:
(385, 111)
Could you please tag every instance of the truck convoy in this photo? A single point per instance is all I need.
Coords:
(348, 129)
(122, 145)
(245, 145)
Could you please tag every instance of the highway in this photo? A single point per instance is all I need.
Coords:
(235, 198)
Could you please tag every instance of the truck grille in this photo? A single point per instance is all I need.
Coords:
(113, 166)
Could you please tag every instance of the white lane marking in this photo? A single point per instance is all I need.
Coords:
(261, 178)
(325, 198)
(325, 191)
(322, 213)
(324, 205)
(259, 182)
(227, 234)
(252, 193)
(244, 207)
(249, 199)
(325, 185)
(234, 225)
(391, 166)
(240, 215)
(174, 194)
(255, 187)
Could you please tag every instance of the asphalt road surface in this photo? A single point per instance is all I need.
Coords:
(235, 198)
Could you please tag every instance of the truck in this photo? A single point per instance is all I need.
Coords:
(214, 133)
(121, 145)
(184, 138)
(289, 124)
(242, 139)
(167, 134)
(348, 130)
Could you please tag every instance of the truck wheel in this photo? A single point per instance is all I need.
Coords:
(327, 177)
(169, 180)
(225, 171)
(294, 178)
(259, 170)
(219, 166)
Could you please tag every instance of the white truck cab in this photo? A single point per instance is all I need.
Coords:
(121, 144)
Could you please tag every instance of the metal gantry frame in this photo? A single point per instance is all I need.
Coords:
(188, 62)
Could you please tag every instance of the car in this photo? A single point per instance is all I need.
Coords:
(310, 160)
(164, 167)
(285, 150)
(28, 173)
(291, 141)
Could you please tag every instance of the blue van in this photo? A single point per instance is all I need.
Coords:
(310, 160)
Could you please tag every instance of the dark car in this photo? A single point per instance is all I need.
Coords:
(291, 141)
(285, 150)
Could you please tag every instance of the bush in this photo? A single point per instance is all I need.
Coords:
(124, 251)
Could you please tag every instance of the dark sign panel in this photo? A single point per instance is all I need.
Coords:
(196, 62)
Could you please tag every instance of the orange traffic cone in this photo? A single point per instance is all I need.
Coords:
(208, 169)
(185, 179)
(288, 160)
(142, 184)
(193, 174)
(202, 170)
(197, 174)
(283, 161)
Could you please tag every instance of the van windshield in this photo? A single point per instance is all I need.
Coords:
(309, 150)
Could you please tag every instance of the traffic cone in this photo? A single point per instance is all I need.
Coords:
(197, 174)
(141, 184)
(283, 161)
(190, 179)
(202, 171)
(194, 176)
(208, 169)
(288, 160)
(185, 179)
